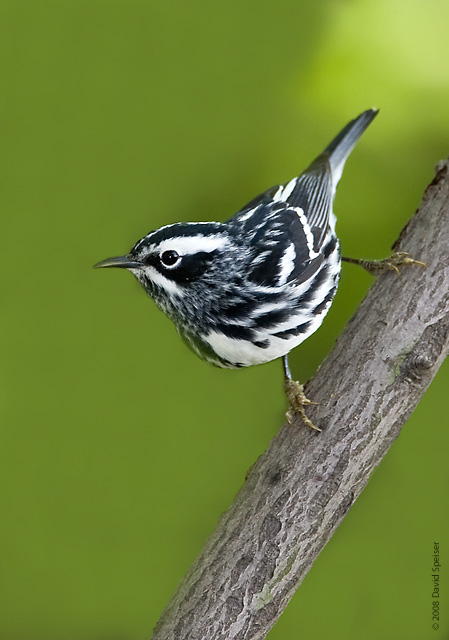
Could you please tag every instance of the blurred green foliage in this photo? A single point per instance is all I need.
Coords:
(118, 448)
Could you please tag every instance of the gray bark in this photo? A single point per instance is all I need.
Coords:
(300, 489)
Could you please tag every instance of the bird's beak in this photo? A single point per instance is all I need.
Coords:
(123, 262)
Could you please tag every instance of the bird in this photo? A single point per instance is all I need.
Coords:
(249, 290)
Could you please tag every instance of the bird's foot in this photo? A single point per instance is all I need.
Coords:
(398, 259)
(297, 401)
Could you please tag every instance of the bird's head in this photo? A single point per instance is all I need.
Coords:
(182, 266)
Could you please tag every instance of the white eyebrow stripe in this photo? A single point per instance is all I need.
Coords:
(189, 245)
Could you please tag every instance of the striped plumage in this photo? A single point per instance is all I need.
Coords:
(251, 289)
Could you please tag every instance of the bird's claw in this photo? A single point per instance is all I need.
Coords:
(398, 259)
(297, 400)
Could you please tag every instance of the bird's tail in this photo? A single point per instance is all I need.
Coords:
(342, 145)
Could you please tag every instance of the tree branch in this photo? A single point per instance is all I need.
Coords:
(300, 489)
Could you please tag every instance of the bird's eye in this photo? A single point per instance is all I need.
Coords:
(169, 258)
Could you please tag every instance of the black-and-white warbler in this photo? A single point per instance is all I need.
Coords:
(250, 290)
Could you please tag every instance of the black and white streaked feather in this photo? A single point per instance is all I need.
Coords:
(251, 289)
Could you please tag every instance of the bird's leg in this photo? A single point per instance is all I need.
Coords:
(376, 267)
(297, 399)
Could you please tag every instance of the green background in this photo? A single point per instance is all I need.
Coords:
(119, 449)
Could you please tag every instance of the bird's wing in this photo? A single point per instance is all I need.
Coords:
(311, 192)
(280, 244)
